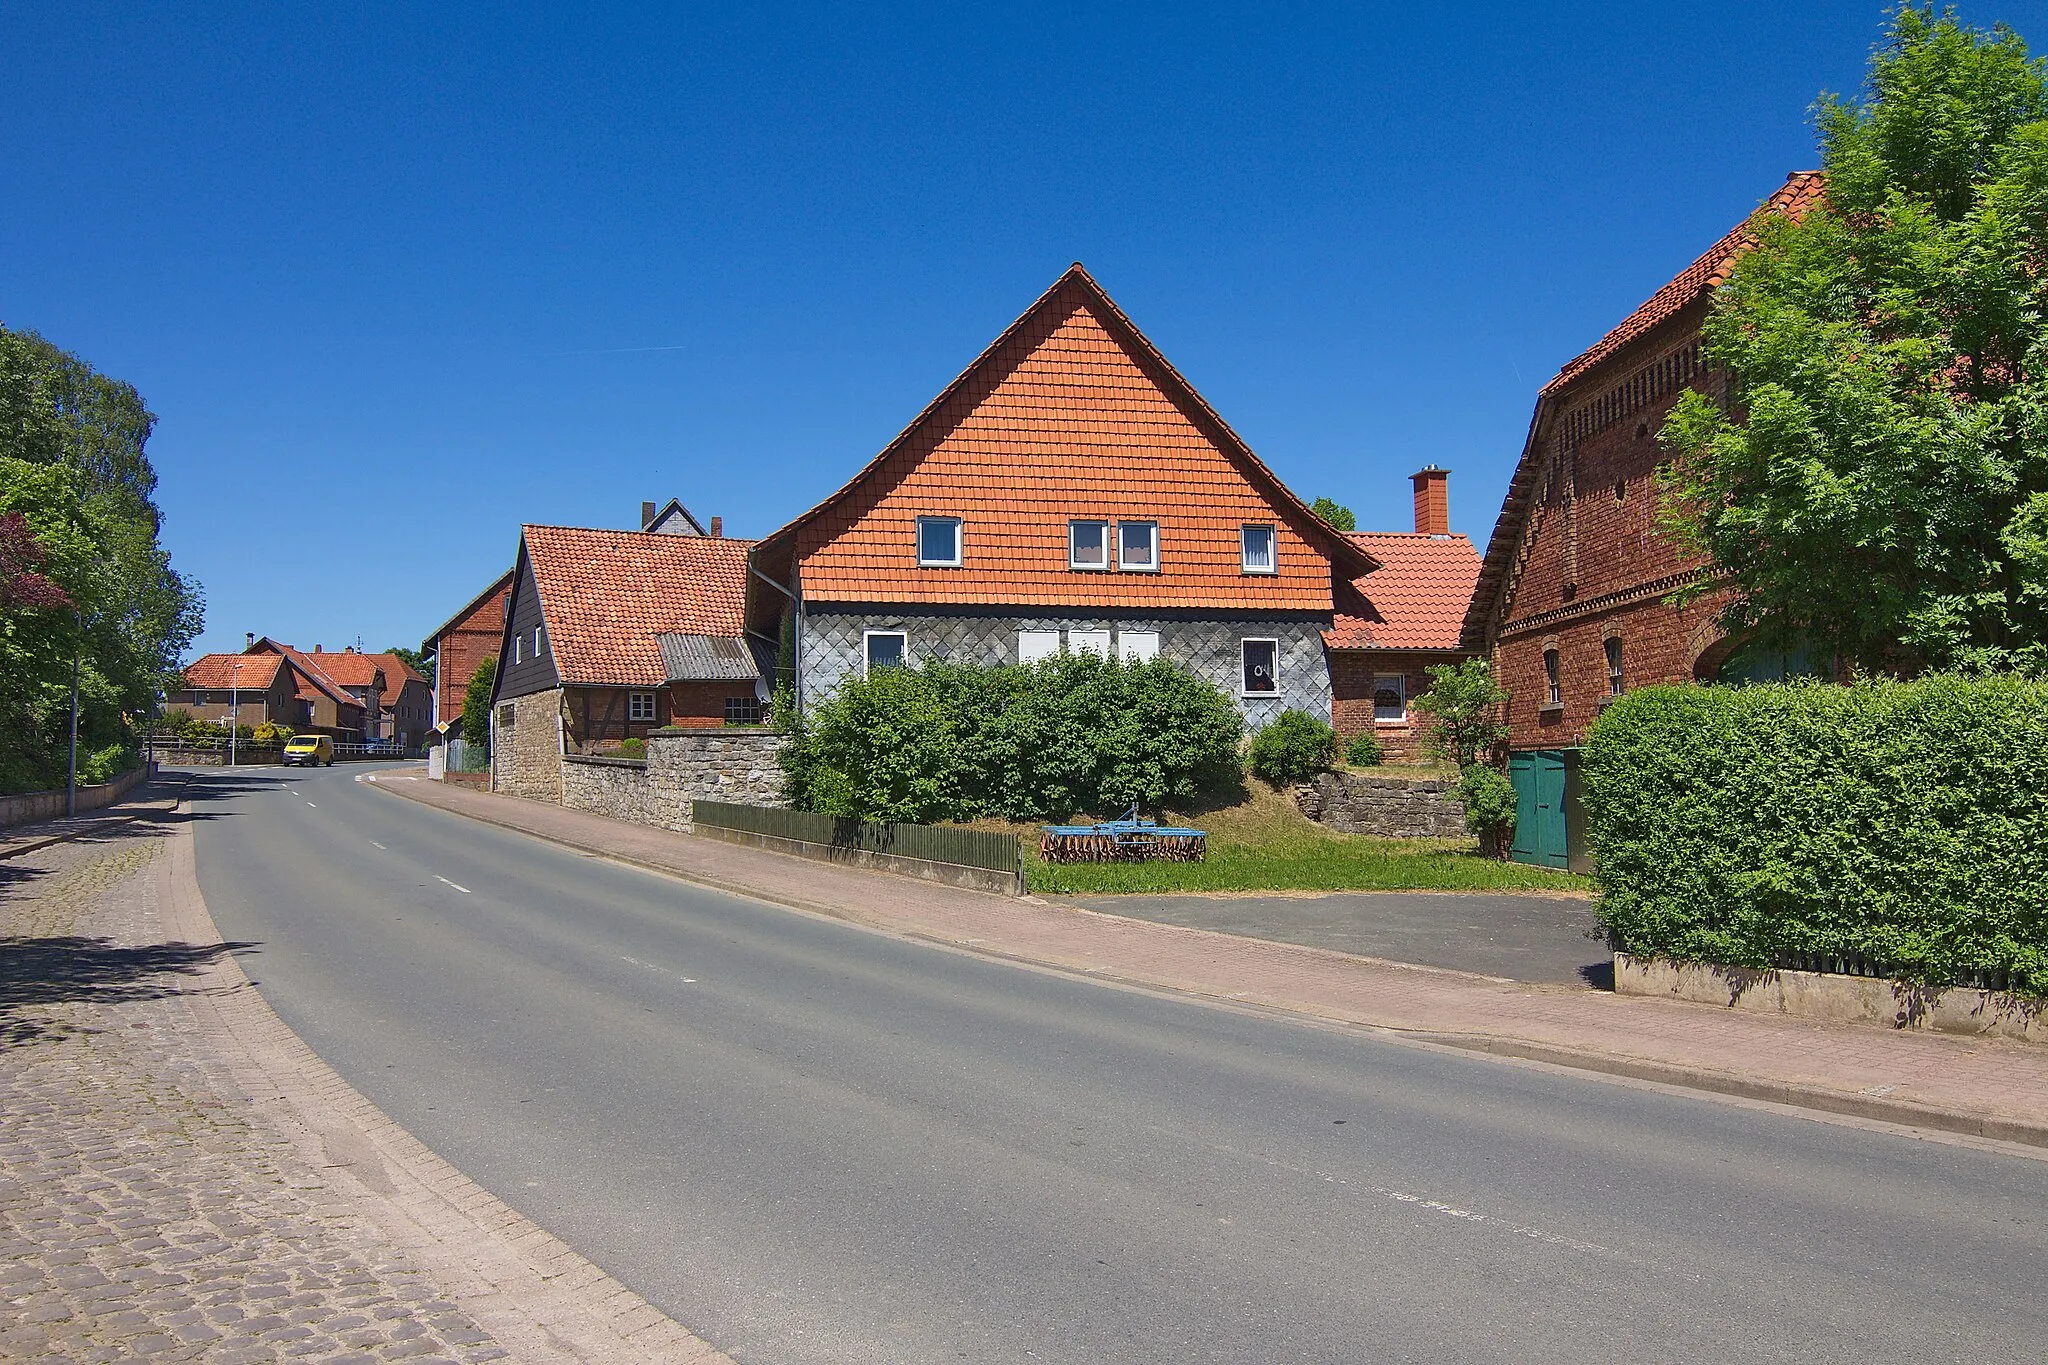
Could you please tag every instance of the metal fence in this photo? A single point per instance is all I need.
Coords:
(929, 843)
(464, 757)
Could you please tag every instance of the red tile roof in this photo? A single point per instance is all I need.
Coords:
(1416, 599)
(606, 595)
(1070, 413)
(305, 666)
(346, 668)
(397, 673)
(214, 671)
(1800, 192)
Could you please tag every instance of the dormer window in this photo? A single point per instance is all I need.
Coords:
(1137, 546)
(1257, 541)
(1088, 545)
(938, 542)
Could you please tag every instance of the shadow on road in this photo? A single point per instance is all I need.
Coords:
(68, 969)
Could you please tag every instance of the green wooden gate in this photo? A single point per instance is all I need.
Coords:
(1538, 779)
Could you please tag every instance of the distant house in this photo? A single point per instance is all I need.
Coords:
(1572, 600)
(462, 643)
(1394, 623)
(267, 685)
(358, 676)
(611, 634)
(1069, 491)
(408, 703)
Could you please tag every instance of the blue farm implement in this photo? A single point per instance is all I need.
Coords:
(1129, 840)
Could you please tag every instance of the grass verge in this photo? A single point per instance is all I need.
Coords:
(1263, 843)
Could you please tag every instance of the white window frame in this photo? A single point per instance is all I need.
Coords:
(1045, 644)
(1150, 526)
(633, 705)
(1244, 534)
(1242, 662)
(959, 542)
(1137, 646)
(867, 651)
(1095, 642)
(1400, 685)
(1104, 529)
(518, 643)
(1614, 655)
(536, 644)
(1553, 680)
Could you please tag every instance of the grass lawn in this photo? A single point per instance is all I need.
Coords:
(1265, 844)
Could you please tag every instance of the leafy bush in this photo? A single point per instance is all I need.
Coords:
(1293, 748)
(957, 741)
(1364, 750)
(1489, 801)
(633, 747)
(476, 705)
(1463, 704)
(1905, 823)
(270, 732)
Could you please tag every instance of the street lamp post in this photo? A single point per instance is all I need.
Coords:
(71, 778)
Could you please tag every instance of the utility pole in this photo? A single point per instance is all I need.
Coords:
(234, 705)
(71, 782)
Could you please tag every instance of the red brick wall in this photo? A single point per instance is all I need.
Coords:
(463, 646)
(700, 705)
(1593, 564)
(1351, 682)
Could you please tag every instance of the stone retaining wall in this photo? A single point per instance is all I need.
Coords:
(1388, 806)
(681, 766)
(28, 807)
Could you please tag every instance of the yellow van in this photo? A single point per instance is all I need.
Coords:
(312, 750)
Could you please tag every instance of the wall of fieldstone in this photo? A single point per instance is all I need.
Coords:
(1391, 807)
(526, 746)
(681, 766)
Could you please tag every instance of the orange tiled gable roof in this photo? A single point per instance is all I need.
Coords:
(308, 668)
(1800, 192)
(1416, 599)
(606, 595)
(1071, 413)
(214, 671)
(397, 672)
(349, 669)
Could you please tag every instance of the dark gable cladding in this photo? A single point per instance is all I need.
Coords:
(522, 671)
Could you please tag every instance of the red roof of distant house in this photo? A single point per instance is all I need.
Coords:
(1800, 192)
(606, 595)
(1416, 599)
(346, 668)
(306, 667)
(397, 672)
(211, 672)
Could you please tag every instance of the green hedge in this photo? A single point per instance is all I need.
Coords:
(958, 742)
(1900, 827)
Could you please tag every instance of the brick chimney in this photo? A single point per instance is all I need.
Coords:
(718, 526)
(646, 515)
(1432, 501)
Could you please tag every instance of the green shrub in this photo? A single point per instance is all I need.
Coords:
(1489, 801)
(1364, 750)
(958, 741)
(1293, 748)
(476, 705)
(634, 747)
(1775, 825)
(270, 732)
(1463, 705)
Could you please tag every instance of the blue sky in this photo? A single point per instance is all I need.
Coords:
(395, 282)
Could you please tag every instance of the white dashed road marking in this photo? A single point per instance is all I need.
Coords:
(375, 844)
(439, 878)
(311, 804)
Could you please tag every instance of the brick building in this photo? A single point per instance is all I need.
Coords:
(1398, 620)
(1070, 490)
(609, 635)
(461, 644)
(1572, 598)
(266, 685)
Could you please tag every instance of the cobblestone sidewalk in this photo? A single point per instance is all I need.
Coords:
(152, 1209)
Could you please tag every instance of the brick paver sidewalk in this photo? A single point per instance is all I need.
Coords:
(181, 1180)
(1990, 1087)
(155, 798)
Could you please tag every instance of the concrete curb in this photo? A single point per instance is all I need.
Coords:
(1875, 1108)
(539, 1297)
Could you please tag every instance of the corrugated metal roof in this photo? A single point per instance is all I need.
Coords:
(709, 658)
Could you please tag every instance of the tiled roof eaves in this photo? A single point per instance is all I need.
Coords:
(779, 540)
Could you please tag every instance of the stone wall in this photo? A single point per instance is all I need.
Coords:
(833, 649)
(1391, 807)
(526, 754)
(681, 766)
(27, 807)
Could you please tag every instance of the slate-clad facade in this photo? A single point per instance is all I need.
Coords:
(1068, 490)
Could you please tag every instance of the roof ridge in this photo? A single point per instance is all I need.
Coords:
(619, 531)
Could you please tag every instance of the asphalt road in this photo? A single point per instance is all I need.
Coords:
(808, 1142)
